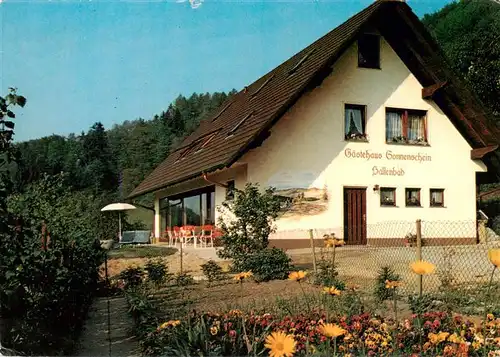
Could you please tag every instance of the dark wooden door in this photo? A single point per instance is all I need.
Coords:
(355, 215)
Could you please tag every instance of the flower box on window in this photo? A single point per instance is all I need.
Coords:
(406, 126)
(357, 136)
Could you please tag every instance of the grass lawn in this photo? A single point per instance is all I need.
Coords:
(143, 251)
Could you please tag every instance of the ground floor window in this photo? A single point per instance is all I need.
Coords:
(437, 197)
(194, 208)
(413, 197)
(387, 196)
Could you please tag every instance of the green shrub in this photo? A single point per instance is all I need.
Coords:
(157, 271)
(248, 233)
(420, 304)
(381, 292)
(495, 224)
(142, 311)
(212, 271)
(184, 279)
(268, 264)
(327, 275)
(132, 276)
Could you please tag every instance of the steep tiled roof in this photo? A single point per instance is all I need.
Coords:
(244, 120)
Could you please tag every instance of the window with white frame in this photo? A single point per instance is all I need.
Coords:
(355, 122)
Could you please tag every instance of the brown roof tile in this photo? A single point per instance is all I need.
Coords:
(269, 97)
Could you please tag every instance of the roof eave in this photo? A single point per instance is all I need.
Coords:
(176, 182)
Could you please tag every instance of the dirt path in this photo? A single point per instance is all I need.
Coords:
(94, 340)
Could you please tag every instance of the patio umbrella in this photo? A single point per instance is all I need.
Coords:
(118, 207)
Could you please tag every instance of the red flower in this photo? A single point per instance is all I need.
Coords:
(232, 333)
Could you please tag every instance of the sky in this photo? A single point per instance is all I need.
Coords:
(79, 62)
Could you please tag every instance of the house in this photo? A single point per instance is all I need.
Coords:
(366, 125)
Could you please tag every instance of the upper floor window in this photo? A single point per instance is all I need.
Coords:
(369, 51)
(355, 122)
(406, 126)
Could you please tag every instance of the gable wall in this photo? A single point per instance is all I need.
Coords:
(307, 149)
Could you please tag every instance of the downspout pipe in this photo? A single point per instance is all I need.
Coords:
(205, 177)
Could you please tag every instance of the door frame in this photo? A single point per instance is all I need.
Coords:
(363, 212)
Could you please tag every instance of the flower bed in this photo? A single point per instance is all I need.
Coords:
(235, 333)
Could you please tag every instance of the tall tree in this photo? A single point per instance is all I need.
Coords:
(100, 169)
(469, 33)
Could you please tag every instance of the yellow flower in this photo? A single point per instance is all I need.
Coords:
(172, 323)
(332, 330)
(214, 330)
(329, 242)
(454, 338)
(436, 338)
(422, 267)
(244, 275)
(339, 242)
(494, 256)
(331, 291)
(280, 344)
(297, 275)
(393, 284)
(235, 312)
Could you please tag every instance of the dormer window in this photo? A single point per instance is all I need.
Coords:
(369, 51)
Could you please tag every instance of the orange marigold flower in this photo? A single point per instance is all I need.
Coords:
(329, 242)
(243, 275)
(421, 267)
(332, 291)
(494, 256)
(280, 344)
(172, 323)
(332, 330)
(339, 242)
(392, 284)
(297, 275)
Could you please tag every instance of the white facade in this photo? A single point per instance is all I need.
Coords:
(307, 149)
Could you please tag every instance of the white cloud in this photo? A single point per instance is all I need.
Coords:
(195, 3)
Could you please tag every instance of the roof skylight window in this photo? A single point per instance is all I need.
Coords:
(297, 66)
(233, 130)
(222, 111)
(205, 142)
(262, 86)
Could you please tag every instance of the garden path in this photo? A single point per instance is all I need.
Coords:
(94, 340)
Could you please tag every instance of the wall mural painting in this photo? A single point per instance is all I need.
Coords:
(298, 196)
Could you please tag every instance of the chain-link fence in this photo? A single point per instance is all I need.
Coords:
(458, 249)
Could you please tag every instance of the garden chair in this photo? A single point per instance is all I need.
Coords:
(142, 237)
(127, 237)
(175, 236)
(188, 235)
(207, 235)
